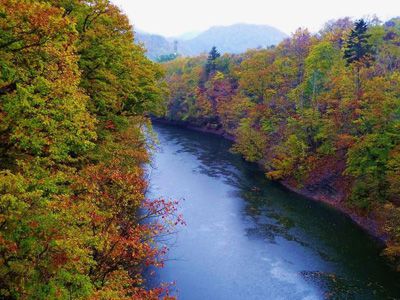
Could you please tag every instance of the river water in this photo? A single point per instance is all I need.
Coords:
(248, 238)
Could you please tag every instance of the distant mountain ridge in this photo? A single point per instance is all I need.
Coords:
(235, 38)
(156, 45)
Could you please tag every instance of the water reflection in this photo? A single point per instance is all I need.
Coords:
(248, 238)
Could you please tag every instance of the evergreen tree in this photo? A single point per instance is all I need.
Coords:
(211, 66)
(358, 51)
(358, 47)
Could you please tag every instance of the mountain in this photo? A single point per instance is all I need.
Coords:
(235, 38)
(156, 45)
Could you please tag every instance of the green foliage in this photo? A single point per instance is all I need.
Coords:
(318, 66)
(250, 141)
(367, 161)
(35, 243)
(182, 77)
(255, 76)
(289, 159)
(358, 47)
(211, 65)
(116, 75)
(44, 112)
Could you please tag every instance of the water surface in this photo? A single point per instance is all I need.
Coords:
(249, 238)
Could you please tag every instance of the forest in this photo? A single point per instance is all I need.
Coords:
(319, 112)
(74, 92)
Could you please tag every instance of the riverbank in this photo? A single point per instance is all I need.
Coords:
(373, 223)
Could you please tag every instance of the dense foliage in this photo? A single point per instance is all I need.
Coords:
(74, 221)
(320, 112)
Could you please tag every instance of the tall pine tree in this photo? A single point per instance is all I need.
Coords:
(358, 48)
(211, 66)
(358, 51)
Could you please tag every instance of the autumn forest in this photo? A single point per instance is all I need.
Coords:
(318, 113)
(74, 90)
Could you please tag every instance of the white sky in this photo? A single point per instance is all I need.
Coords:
(174, 17)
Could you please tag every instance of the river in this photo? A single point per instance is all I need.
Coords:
(249, 238)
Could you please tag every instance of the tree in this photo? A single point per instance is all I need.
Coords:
(318, 64)
(358, 51)
(256, 75)
(335, 31)
(358, 47)
(211, 65)
(40, 78)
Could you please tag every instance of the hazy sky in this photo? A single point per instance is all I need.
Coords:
(174, 17)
